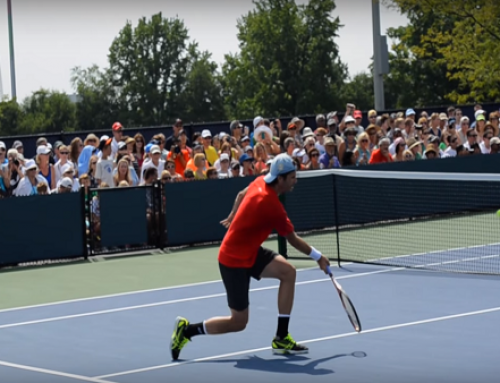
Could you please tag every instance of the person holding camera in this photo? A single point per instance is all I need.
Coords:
(178, 155)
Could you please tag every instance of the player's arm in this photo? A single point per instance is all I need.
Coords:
(226, 222)
(302, 246)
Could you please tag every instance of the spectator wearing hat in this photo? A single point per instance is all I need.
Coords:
(399, 149)
(358, 117)
(363, 151)
(463, 128)
(18, 145)
(415, 147)
(210, 152)
(65, 185)
(117, 130)
(443, 121)
(382, 154)
(154, 162)
(494, 145)
(246, 163)
(293, 132)
(410, 113)
(431, 152)
(45, 168)
(92, 140)
(28, 184)
(224, 171)
(105, 165)
(68, 171)
(329, 159)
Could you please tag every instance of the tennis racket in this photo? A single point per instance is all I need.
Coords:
(346, 302)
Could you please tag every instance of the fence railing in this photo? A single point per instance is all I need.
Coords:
(57, 227)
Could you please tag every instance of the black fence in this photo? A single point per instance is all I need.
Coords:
(41, 229)
(29, 141)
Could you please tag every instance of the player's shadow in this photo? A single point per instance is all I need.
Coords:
(286, 364)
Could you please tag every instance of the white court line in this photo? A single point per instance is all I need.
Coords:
(123, 294)
(170, 302)
(345, 335)
(52, 372)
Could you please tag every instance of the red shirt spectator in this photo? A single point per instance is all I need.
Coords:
(382, 154)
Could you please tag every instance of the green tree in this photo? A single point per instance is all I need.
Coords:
(11, 117)
(47, 111)
(462, 41)
(288, 61)
(202, 95)
(151, 68)
(359, 91)
(97, 106)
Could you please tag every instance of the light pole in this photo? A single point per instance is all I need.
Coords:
(378, 81)
(11, 46)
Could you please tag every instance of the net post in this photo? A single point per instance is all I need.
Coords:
(282, 248)
(335, 206)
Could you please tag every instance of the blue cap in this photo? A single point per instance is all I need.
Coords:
(409, 112)
(244, 157)
(147, 149)
(282, 164)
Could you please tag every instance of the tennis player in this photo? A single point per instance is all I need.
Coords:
(257, 211)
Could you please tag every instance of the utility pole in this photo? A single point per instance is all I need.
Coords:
(11, 46)
(378, 80)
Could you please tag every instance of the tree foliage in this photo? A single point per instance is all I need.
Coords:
(461, 42)
(288, 61)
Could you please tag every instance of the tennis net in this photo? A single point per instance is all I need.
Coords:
(438, 221)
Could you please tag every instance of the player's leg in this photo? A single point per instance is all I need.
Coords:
(276, 266)
(237, 283)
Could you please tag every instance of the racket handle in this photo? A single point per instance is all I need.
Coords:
(329, 271)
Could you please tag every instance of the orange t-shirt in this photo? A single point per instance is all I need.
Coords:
(178, 164)
(377, 157)
(258, 215)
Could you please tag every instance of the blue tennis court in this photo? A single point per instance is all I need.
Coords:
(417, 326)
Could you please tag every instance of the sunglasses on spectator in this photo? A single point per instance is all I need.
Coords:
(64, 153)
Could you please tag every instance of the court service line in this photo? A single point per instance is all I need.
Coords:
(52, 372)
(338, 336)
(181, 300)
(116, 295)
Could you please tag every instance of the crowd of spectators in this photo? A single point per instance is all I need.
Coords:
(120, 161)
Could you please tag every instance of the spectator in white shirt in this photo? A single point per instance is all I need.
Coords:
(495, 145)
(155, 162)
(485, 144)
(65, 185)
(63, 160)
(68, 171)
(117, 137)
(104, 167)
(451, 151)
(28, 185)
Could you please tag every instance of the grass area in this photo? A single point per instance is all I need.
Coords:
(37, 285)
(405, 238)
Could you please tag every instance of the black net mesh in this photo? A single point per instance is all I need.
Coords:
(446, 222)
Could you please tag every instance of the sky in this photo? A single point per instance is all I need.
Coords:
(53, 36)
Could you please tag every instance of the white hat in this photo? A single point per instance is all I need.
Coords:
(464, 118)
(307, 133)
(2, 145)
(67, 167)
(248, 148)
(206, 133)
(478, 112)
(31, 164)
(66, 182)
(42, 149)
(222, 134)
(349, 119)
(263, 129)
(224, 157)
(155, 149)
(257, 120)
(104, 138)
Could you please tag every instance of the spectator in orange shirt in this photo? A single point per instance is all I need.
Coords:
(382, 154)
(180, 156)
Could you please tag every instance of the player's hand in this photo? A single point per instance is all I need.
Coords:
(323, 263)
(226, 222)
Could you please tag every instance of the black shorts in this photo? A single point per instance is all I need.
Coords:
(237, 280)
